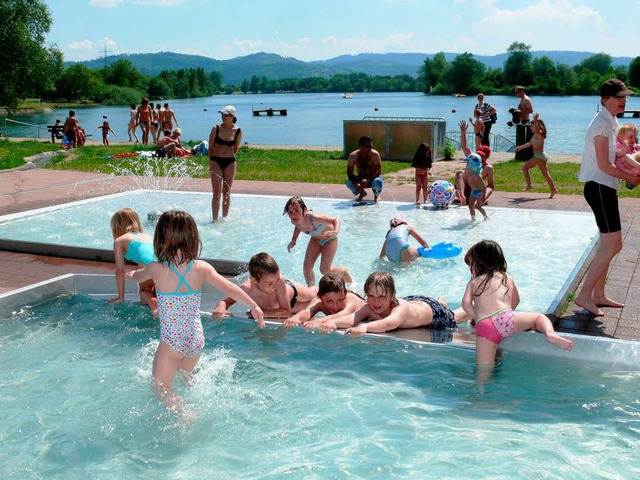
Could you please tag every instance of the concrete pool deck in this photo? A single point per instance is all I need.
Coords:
(22, 190)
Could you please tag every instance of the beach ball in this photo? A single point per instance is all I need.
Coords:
(442, 193)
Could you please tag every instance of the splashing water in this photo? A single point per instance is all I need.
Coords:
(155, 173)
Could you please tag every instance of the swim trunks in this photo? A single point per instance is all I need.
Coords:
(443, 317)
(160, 152)
(294, 298)
(497, 326)
(479, 134)
(603, 201)
(179, 313)
(476, 192)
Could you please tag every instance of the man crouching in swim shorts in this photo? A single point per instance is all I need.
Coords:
(277, 296)
(386, 312)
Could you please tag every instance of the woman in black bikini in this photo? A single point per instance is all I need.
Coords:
(224, 141)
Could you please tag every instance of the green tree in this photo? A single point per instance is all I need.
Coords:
(432, 71)
(23, 56)
(517, 67)
(79, 82)
(634, 72)
(123, 74)
(463, 71)
(599, 63)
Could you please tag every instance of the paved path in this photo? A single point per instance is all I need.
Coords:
(35, 188)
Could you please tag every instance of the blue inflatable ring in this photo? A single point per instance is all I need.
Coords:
(441, 250)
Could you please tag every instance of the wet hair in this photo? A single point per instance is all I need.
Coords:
(331, 283)
(383, 281)
(423, 152)
(477, 112)
(124, 221)
(262, 263)
(486, 258)
(628, 127)
(364, 139)
(293, 200)
(176, 239)
(542, 127)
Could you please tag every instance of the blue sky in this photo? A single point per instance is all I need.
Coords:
(317, 30)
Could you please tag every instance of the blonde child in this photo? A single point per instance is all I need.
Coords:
(540, 158)
(396, 243)
(478, 127)
(105, 132)
(491, 297)
(386, 312)
(323, 231)
(130, 243)
(277, 296)
(179, 276)
(422, 162)
(627, 148)
(333, 300)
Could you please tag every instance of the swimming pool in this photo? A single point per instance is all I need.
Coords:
(273, 403)
(543, 248)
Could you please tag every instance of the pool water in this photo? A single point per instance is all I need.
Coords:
(271, 403)
(543, 248)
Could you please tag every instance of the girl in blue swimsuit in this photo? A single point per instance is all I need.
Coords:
(130, 243)
(396, 243)
(179, 276)
(323, 231)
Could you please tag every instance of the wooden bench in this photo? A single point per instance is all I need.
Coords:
(56, 132)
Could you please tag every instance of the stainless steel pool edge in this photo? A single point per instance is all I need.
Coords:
(224, 267)
(620, 353)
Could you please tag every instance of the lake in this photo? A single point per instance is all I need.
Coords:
(317, 118)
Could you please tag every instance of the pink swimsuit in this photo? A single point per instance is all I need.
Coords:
(180, 324)
(497, 326)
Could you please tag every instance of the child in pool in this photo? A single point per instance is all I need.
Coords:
(385, 312)
(478, 127)
(179, 276)
(333, 300)
(491, 297)
(277, 296)
(105, 132)
(396, 243)
(627, 148)
(323, 243)
(130, 243)
(540, 158)
(422, 162)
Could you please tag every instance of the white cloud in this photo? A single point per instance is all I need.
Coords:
(88, 49)
(106, 3)
(159, 3)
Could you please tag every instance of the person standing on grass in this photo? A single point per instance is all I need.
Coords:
(602, 181)
(540, 158)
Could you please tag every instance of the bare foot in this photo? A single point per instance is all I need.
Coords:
(443, 301)
(558, 341)
(553, 193)
(607, 302)
(376, 199)
(589, 306)
(528, 187)
(363, 194)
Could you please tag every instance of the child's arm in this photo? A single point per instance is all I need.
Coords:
(118, 254)
(342, 320)
(391, 322)
(467, 300)
(383, 251)
(142, 274)
(112, 131)
(417, 236)
(303, 316)
(294, 239)
(332, 226)
(513, 293)
(221, 308)
(232, 290)
(523, 146)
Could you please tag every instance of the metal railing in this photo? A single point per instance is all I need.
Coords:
(39, 128)
(497, 142)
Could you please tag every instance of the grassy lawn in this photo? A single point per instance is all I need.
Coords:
(307, 166)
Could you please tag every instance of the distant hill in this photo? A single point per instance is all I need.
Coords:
(273, 66)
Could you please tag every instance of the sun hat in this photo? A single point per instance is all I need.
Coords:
(473, 158)
(615, 88)
(229, 110)
(397, 220)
